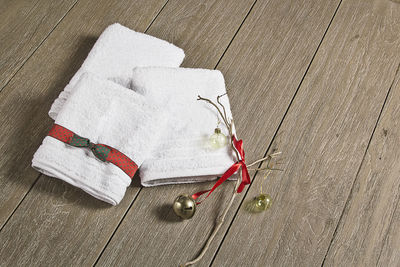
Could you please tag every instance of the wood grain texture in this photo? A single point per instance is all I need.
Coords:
(83, 235)
(23, 27)
(25, 101)
(370, 225)
(59, 225)
(323, 139)
(390, 253)
(266, 61)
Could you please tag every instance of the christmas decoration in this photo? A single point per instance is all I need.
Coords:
(218, 139)
(102, 152)
(184, 206)
(261, 202)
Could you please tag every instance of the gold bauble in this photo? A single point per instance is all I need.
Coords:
(184, 206)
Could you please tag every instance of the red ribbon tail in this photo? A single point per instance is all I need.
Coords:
(245, 178)
(223, 178)
(234, 168)
(198, 194)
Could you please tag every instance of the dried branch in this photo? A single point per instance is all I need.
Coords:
(223, 107)
(218, 109)
(229, 124)
(220, 222)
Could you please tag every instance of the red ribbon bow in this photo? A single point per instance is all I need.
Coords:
(238, 144)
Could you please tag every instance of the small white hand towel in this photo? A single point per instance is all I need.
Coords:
(117, 51)
(183, 154)
(109, 114)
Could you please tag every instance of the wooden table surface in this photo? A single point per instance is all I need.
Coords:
(318, 80)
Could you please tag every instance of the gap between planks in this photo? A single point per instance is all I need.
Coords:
(34, 50)
(9, 80)
(275, 134)
(372, 122)
(361, 164)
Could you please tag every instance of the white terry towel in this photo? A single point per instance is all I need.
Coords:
(109, 114)
(183, 154)
(117, 51)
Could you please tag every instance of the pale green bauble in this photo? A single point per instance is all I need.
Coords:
(217, 139)
(263, 202)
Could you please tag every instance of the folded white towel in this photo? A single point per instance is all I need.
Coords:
(117, 51)
(183, 154)
(109, 114)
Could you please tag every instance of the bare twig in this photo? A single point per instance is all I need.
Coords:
(220, 220)
(266, 169)
(218, 109)
(229, 125)
(268, 157)
(223, 107)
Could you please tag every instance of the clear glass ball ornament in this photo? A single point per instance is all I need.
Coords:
(218, 139)
(263, 202)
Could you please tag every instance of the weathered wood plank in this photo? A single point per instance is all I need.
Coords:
(266, 61)
(368, 224)
(58, 225)
(23, 27)
(202, 28)
(323, 138)
(58, 213)
(390, 253)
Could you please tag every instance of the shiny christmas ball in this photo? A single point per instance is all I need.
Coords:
(218, 139)
(263, 202)
(184, 206)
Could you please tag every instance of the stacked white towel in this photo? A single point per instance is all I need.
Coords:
(183, 154)
(159, 124)
(109, 114)
(117, 51)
